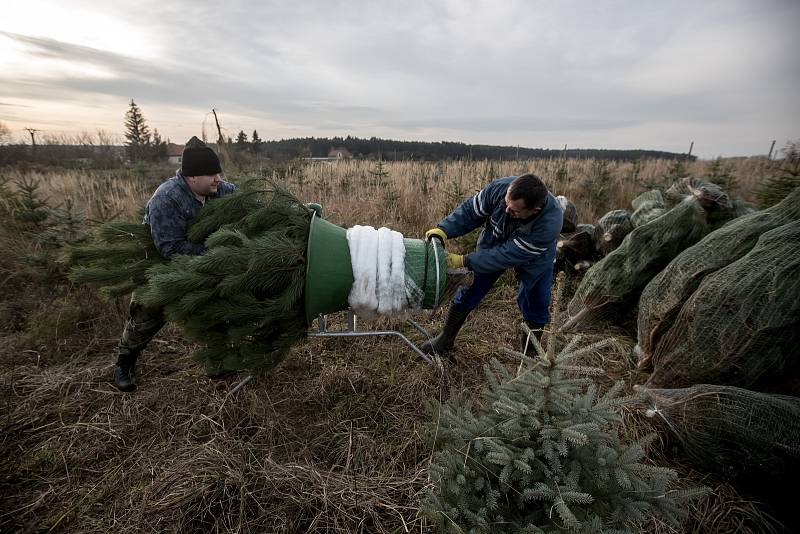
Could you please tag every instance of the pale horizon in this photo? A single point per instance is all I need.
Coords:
(605, 75)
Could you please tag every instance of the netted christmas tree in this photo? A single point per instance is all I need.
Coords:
(664, 296)
(543, 454)
(646, 207)
(576, 249)
(611, 288)
(610, 230)
(741, 326)
(734, 431)
(243, 298)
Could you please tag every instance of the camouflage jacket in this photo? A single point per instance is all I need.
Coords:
(169, 211)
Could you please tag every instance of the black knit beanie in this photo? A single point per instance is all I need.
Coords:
(198, 159)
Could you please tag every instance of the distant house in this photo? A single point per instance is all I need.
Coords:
(174, 153)
(339, 153)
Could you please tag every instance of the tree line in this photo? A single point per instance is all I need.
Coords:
(389, 149)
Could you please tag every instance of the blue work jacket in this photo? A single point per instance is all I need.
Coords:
(529, 246)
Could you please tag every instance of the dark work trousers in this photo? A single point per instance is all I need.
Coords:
(533, 296)
(142, 326)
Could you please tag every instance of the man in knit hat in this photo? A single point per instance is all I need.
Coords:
(168, 212)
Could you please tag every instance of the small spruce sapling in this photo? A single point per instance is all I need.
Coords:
(543, 454)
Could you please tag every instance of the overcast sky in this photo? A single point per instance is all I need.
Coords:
(592, 74)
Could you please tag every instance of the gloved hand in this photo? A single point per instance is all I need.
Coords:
(435, 232)
(455, 261)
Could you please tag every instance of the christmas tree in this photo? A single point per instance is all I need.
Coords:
(116, 259)
(543, 454)
(243, 298)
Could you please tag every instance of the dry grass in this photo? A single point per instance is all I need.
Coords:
(413, 196)
(334, 440)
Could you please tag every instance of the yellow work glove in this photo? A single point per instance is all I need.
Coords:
(436, 232)
(455, 261)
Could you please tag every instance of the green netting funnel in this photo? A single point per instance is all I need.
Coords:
(329, 275)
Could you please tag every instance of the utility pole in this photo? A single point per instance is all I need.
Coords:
(771, 148)
(691, 146)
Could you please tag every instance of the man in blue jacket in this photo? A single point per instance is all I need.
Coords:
(168, 212)
(522, 221)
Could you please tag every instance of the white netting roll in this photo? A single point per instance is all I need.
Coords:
(378, 261)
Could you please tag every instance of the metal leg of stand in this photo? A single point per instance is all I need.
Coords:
(352, 332)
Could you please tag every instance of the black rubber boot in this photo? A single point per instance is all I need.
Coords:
(537, 329)
(125, 374)
(442, 343)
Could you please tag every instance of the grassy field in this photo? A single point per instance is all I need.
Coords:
(336, 439)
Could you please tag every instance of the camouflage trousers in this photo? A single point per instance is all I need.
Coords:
(142, 326)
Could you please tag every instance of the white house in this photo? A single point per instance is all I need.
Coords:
(174, 154)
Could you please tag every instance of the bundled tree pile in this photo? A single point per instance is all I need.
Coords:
(612, 286)
(646, 207)
(720, 325)
(610, 230)
(243, 298)
(608, 234)
(543, 454)
(664, 296)
(741, 327)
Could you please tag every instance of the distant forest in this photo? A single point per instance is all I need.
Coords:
(104, 155)
(388, 149)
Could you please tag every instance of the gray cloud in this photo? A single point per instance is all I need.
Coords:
(478, 70)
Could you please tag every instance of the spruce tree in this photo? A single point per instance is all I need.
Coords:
(158, 147)
(243, 298)
(255, 142)
(543, 454)
(241, 139)
(30, 211)
(137, 133)
(116, 259)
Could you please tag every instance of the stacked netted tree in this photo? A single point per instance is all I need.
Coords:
(543, 454)
(665, 295)
(611, 288)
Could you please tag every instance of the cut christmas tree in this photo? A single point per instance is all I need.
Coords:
(253, 293)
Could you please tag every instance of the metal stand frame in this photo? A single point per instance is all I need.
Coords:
(352, 331)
